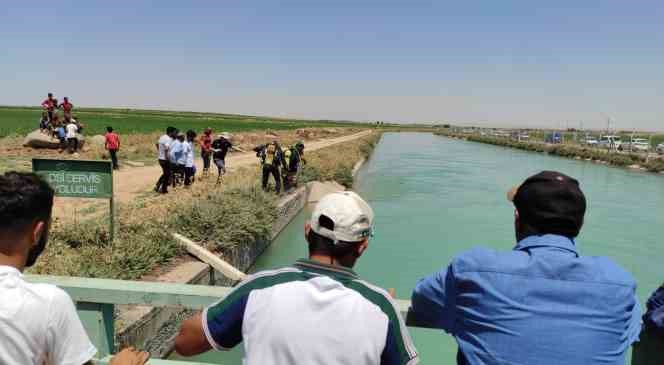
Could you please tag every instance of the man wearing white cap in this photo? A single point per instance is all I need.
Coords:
(317, 311)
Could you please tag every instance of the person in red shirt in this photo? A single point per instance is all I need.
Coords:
(66, 107)
(206, 150)
(112, 145)
(49, 105)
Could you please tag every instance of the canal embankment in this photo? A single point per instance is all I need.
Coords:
(592, 154)
(154, 329)
(237, 221)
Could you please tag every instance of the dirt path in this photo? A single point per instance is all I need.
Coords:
(130, 182)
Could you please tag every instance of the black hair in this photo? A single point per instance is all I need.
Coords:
(170, 130)
(321, 245)
(50, 94)
(191, 134)
(524, 230)
(109, 129)
(24, 199)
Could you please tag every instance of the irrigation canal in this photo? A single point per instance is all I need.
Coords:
(435, 197)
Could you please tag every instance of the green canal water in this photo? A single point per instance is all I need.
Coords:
(435, 197)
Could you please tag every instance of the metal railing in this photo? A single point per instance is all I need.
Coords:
(96, 300)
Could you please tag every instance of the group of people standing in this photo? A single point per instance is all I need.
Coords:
(176, 156)
(282, 165)
(66, 129)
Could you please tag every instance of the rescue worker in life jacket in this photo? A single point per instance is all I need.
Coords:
(293, 157)
(272, 158)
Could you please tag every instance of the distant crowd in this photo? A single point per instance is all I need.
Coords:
(63, 126)
(175, 154)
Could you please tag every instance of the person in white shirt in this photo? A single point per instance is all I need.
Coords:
(72, 138)
(163, 147)
(189, 168)
(177, 158)
(38, 322)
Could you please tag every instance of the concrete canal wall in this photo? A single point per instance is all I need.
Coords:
(155, 328)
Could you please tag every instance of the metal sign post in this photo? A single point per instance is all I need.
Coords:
(79, 179)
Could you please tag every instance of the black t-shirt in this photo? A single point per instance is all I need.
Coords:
(222, 145)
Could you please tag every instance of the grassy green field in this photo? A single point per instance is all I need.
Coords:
(22, 120)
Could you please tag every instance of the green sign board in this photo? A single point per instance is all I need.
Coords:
(78, 179)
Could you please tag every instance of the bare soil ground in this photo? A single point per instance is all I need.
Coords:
(132, 183)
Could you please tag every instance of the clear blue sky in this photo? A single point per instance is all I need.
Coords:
(535, 63)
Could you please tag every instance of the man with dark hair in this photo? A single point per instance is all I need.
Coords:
(66, 107)
(220, 148)
(163, 149)
(206, 150)
(272, 159)
(189, 166)
(49, 104)
(38, 322)
(317, 311)
(293, 158)
(541, 303)
(112, 143)
(176, 154)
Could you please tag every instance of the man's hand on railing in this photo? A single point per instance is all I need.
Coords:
(130, 356)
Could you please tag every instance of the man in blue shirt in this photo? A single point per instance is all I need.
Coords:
(541, 303)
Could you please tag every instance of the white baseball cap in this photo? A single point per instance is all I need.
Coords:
(351, 216)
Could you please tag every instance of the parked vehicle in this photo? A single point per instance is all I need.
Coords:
(660, 148)
(610, 142)
(590, 141)
(636, 145)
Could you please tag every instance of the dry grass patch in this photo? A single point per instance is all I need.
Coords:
(221, 217)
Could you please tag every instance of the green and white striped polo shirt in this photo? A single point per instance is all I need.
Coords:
(310, 313)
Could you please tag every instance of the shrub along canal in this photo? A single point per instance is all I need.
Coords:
(435, 197)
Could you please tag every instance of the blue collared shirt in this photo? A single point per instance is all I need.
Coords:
(540, 303)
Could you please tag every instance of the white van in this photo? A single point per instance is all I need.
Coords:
(610, 142)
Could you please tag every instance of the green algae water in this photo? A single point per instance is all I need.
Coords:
(434, 197)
